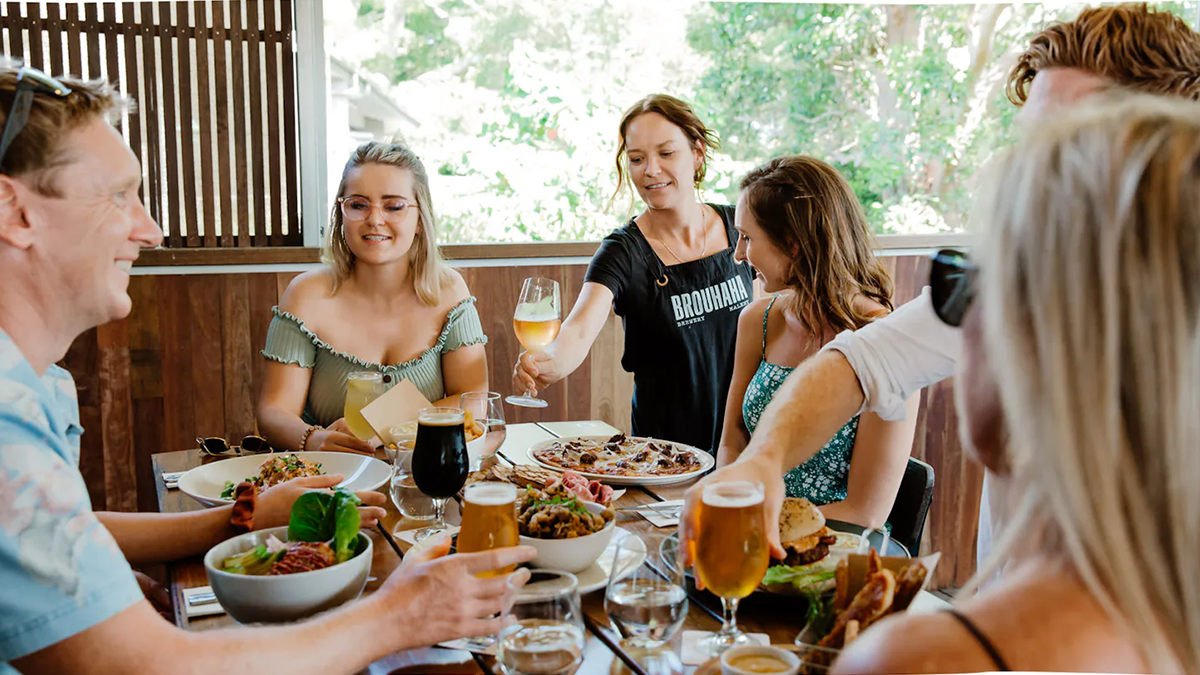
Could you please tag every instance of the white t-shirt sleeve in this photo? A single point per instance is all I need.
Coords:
(900, 354)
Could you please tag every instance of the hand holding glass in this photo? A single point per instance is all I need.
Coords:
(536, 322)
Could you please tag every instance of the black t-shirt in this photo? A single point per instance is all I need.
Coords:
(679, 337)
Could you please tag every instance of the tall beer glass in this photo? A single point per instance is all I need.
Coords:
(361, 389)
(489, 521)
(536, 322)
(731, 552)
(439, 461)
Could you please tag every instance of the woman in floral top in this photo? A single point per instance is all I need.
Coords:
(801, 228)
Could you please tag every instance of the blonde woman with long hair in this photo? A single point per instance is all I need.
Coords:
(383, 302)
(1086, 325)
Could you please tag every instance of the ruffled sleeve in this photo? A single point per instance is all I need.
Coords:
(288, 342)
(463, 327)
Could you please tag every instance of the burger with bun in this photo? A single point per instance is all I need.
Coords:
(806, 540)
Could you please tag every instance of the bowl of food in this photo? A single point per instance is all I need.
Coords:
(285, 574)
(568, 531)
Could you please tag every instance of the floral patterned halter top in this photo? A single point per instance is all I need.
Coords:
(822, 479)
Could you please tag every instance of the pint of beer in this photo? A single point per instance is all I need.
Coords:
(489, 521)
(731, 549)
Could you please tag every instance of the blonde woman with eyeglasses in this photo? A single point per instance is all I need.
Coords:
(384, 302)
(1086, 327)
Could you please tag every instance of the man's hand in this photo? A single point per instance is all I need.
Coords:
(337, 437)
(274, 507)
(436, 597)
(749, 468)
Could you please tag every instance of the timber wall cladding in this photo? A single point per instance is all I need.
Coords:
(186, 364)
(214, 124)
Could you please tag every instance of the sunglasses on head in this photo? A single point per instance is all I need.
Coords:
(952, 285)
(30, 81)
(219, 447)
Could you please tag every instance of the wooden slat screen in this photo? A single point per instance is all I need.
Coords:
(215, 119)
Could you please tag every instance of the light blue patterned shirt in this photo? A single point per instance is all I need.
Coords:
(60, 569)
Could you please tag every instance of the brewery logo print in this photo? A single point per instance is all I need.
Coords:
(730, 295)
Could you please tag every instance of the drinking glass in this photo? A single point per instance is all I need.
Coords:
(536, 322)
(487, 409)
(439, 461)
(731, 552)
(408, 498)
(647, 603)
(543, 629)
(361, 388)
(489, 521)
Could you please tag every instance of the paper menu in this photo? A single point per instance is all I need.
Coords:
(398, 405)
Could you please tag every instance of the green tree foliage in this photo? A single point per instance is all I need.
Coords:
(519, 102)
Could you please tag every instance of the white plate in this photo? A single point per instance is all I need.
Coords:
(707, 462)
(596, 577)
(205, 483)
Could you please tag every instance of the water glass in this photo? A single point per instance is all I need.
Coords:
(647, 603)
(408, 498)
(543, 628)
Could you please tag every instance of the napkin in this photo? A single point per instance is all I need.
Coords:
(406, 536)
(397, 405)
(468, 645)
(207, 609)
(662, 515)
(693, 655)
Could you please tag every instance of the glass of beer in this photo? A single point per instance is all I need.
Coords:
(489, 521)
(439, 461)
(536, 322)
(731, 552)
(543, 629)
(361, 388)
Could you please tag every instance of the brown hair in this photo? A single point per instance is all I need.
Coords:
(36, 151)
(677, 112)
(1131, 45)
(426, 269)
(809, 211)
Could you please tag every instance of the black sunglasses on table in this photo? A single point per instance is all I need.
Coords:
(219, 447)
(30, 81)
(952, 285)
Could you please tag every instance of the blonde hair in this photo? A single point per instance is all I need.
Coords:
(677, 112)
(1130, 45)
(805, 205)
(1090, 289)
(35, 151)
(429, 274)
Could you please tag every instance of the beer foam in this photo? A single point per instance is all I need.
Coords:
(732, 495)
(491, 494)
(543, 310)
(447, 418)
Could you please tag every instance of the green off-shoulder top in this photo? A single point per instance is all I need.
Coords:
(290, 341)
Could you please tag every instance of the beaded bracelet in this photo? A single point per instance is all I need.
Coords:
(307, 433)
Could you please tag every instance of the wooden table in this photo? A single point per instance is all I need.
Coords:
(603, 652)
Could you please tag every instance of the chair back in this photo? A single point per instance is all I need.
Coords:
(912, 505)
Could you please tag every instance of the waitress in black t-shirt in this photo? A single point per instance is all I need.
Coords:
(670, 275)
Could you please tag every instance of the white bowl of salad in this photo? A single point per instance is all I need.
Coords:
(319, 561)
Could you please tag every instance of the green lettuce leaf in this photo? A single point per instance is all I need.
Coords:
(326, 517)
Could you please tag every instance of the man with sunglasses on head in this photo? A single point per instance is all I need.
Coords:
(880, 366)
(71, 225)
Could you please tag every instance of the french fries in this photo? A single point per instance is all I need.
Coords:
(883, 593)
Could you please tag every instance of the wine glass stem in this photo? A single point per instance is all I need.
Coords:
(439, 510)
(729, 609)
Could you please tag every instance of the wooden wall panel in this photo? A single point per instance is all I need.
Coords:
(186, 364)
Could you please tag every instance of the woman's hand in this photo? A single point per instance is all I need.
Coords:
(337, 437)
(535, 371)
(274, 506)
